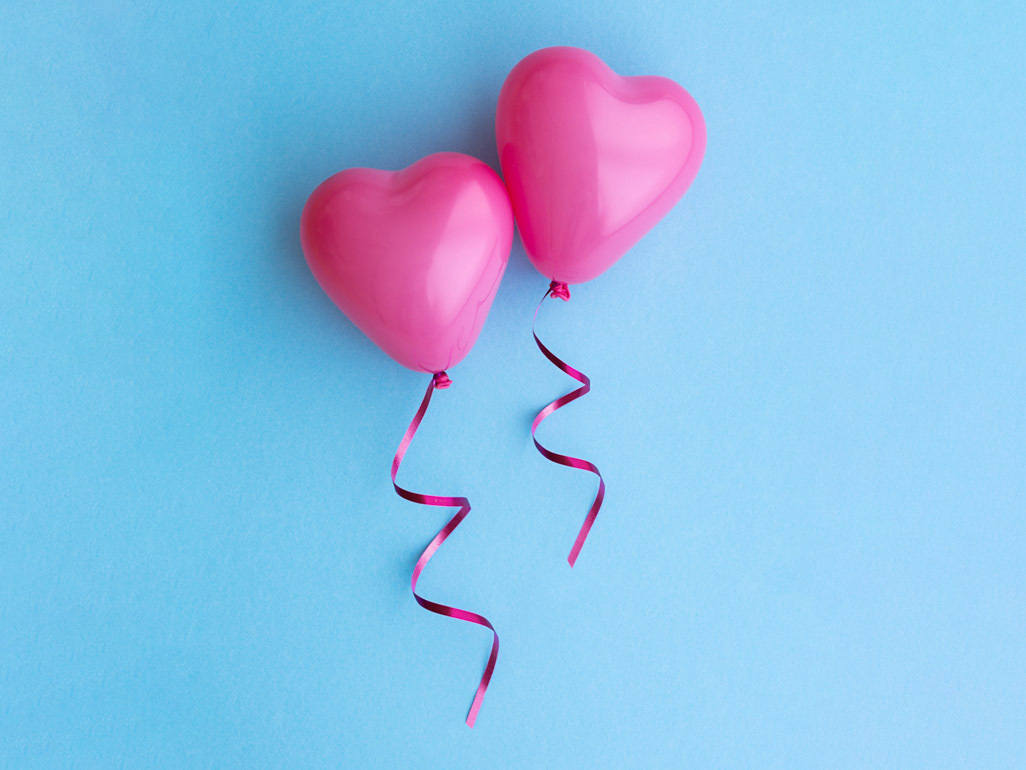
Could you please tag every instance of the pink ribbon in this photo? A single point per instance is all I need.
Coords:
(562, 291)
(441, 381)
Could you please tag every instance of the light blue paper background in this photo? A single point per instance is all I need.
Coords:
(809, 402)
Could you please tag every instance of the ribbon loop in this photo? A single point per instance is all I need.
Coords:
(442, 381)
(562, 291)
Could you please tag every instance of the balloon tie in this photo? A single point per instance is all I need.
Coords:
(441, 381)
(560, 290)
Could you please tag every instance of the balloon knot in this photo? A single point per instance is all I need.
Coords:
(442, 380)
(559, 290)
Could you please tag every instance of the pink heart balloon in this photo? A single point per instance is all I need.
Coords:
(412, 257)
(592, 160)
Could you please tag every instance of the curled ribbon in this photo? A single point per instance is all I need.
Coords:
(562, 291)
(441, 381)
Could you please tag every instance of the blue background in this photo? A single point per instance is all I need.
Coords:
(809, 402)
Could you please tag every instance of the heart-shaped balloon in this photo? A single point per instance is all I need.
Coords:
(592, 160)
(412, 257)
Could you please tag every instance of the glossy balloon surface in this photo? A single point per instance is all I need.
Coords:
(412, 257)
(592, 160)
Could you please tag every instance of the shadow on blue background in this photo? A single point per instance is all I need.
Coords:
(808, 398)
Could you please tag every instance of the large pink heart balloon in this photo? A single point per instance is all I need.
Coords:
(592, 160)
(413, 257)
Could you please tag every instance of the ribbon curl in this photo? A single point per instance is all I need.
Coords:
(562, 291)
(441, 381)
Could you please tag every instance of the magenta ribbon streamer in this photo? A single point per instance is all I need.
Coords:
(441, 381)
(562, 291)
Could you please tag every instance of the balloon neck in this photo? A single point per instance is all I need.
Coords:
(559, 290)
(442, 381)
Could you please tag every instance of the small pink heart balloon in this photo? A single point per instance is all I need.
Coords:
(412, 257)
(592, 160)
